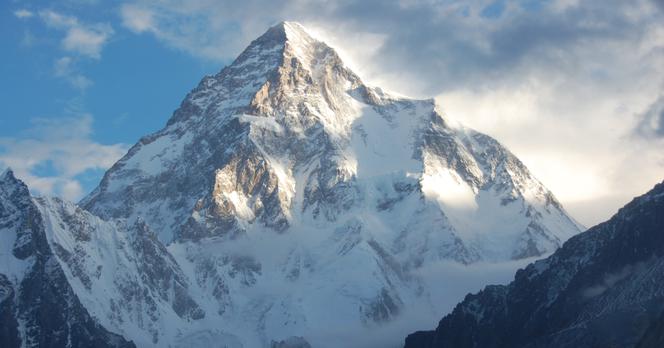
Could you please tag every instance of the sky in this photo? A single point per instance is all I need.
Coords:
(574, 88)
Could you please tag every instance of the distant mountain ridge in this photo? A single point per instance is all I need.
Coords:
(603, 288)
(283, 200)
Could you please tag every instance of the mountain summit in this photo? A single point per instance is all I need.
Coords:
(286, 199)
(287, 135)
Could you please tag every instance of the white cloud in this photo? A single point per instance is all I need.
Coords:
(86, 41)
(357, 51)
(572, 119)
(64, 68)
(137, 19)
(575, 137)
(79, 40)
(205, 29)
(57, 20)
(63, 144)
(23, 14)
(83, 39)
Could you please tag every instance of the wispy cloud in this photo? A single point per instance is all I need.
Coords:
(79, 38)
(651, 124)
(23, 13)
(190, 26)
(64, 68)
(138, 19)
(65, 148)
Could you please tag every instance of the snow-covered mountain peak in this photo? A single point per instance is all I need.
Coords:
(294, 30)
(285, 171)
(7, 177)
(284, 61)
(287, 133)
(297, 38)
(11, 188)
(292, 41)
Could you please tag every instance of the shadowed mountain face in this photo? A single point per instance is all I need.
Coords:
(286, 202)
(654, 336)
(603, 288)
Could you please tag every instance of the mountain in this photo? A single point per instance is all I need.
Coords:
(38, 306)
(288, 138)
(603, 288)
(286, 203)
(654, 335)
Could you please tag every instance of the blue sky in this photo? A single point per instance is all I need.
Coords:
(137, 79)
(574, 88)
(120, 88)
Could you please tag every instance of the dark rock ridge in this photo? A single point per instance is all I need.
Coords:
(603, 288)
(654, 336)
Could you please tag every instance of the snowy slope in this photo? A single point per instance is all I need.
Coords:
(39, 306)
(121, 273)
(286, 198)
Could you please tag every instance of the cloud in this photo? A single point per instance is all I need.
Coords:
(86, 41)
(137, 19)
(191, 26)
(660, 3)
(53, 153)
(57, 20)
(63, 67)
(80, 41)
(83, 39)
(23, 13)
(652, 121)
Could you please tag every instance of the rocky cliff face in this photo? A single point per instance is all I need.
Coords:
(603, 288)
(285, 199)
(38, 306)
(120, 271)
